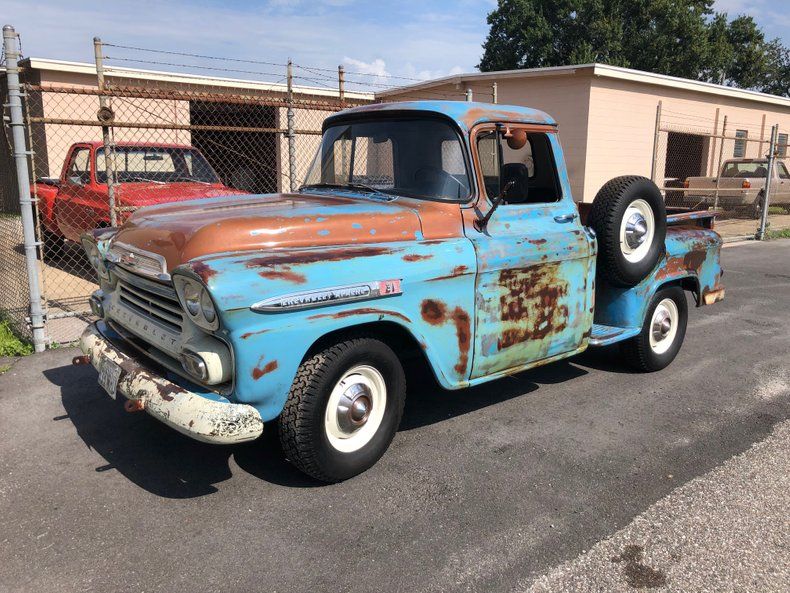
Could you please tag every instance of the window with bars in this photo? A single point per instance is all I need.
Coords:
(739, 151)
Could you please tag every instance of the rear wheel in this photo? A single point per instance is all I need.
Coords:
(343, 409)
(629, 218)
(662, 333)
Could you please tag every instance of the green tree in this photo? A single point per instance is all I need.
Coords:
(677, 37)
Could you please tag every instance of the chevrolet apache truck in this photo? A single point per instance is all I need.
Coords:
(145, 174)
(442, 230)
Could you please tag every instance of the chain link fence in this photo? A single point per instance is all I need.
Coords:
(721, 163)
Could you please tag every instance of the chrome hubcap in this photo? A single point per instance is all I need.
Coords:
(353, 408)
(661, 325)
(635, 230)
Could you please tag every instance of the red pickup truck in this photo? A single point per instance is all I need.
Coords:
(145, 174)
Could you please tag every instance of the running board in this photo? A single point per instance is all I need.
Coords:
(603, 335)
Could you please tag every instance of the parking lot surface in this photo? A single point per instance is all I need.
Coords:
(482, 490)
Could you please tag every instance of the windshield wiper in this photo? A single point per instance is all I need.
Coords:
(358, 186)
(147, 180)
(189, 180)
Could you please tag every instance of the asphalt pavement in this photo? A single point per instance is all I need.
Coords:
(502, 487)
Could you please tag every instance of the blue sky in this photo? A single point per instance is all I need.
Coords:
(409, 38)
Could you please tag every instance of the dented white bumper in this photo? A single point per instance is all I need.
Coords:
(209, 420)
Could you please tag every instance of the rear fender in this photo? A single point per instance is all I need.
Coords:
(692, 260)
(435, 307)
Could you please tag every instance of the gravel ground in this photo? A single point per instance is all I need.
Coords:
(726, 531)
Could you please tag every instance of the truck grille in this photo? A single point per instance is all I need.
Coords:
(158, 302)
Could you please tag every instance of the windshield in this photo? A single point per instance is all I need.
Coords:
(136, 164)
(420, 158)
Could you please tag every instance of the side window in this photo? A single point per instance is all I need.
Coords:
(782, 171)
(79, 171)
(519, 163)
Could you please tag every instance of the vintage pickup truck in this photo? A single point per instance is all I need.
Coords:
(740, 187)
(146, 174)
(442, 230)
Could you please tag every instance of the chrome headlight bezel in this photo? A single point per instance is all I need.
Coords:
(196, 301)
(95, 257)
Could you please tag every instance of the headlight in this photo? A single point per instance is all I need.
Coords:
(196, 302)
(95, 257)
(192, 298)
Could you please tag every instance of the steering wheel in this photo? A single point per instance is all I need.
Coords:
(433, 174)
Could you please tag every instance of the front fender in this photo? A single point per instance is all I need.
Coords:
(435, 307)
(692, 255)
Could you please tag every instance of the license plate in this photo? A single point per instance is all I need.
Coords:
(109, 374)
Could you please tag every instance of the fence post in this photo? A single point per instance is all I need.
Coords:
(105, 116)
(717, 173)
(494, 93)
(341, 83)
(656, 134)
(17, 124)
(291, 136)
(768, 178)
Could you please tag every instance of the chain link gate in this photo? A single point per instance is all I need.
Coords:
(721, 163)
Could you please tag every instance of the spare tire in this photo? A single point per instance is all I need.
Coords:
(629, 218)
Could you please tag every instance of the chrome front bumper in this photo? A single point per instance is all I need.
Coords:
(209, 419)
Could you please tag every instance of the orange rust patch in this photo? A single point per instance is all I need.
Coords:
(693, 260)
(285, 274)
(259, 371)
(537, 241)
(463, 332)
(359, 311)
(415, 257)
(314, 256)
(246, 335)
(529, 306)
(434, 312)
(204, 271)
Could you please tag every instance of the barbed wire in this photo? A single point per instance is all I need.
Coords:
(210, 68)
(191, 55)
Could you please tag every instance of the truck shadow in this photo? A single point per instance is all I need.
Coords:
(171, 465)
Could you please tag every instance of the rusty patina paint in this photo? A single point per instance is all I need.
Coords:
(359, 311)
(259, 371)
(285, 274)
(435, 313)
(203, 270)
(530, 304)
(414, 257)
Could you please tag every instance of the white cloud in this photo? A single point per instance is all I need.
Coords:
(377, 67)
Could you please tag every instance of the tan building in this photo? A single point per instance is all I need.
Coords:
(609, 119)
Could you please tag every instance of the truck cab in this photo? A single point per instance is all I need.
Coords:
(444, 230)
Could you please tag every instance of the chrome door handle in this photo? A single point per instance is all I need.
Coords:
(564, 218)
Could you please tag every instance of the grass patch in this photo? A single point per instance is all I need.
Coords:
(776, 210)
(778, 234)
(10, 344)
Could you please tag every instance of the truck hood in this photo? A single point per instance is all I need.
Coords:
(187, 230)
(147, 194)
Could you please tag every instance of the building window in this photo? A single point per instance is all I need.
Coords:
(781, 146)
(740, 143)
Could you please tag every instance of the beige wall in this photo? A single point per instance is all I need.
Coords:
(622, 117)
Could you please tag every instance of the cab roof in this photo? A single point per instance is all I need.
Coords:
(466, 114)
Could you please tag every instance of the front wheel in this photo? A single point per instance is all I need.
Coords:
(343, 409)
(662, 333)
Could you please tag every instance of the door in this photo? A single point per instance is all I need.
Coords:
(77, 202)
(534, 281)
